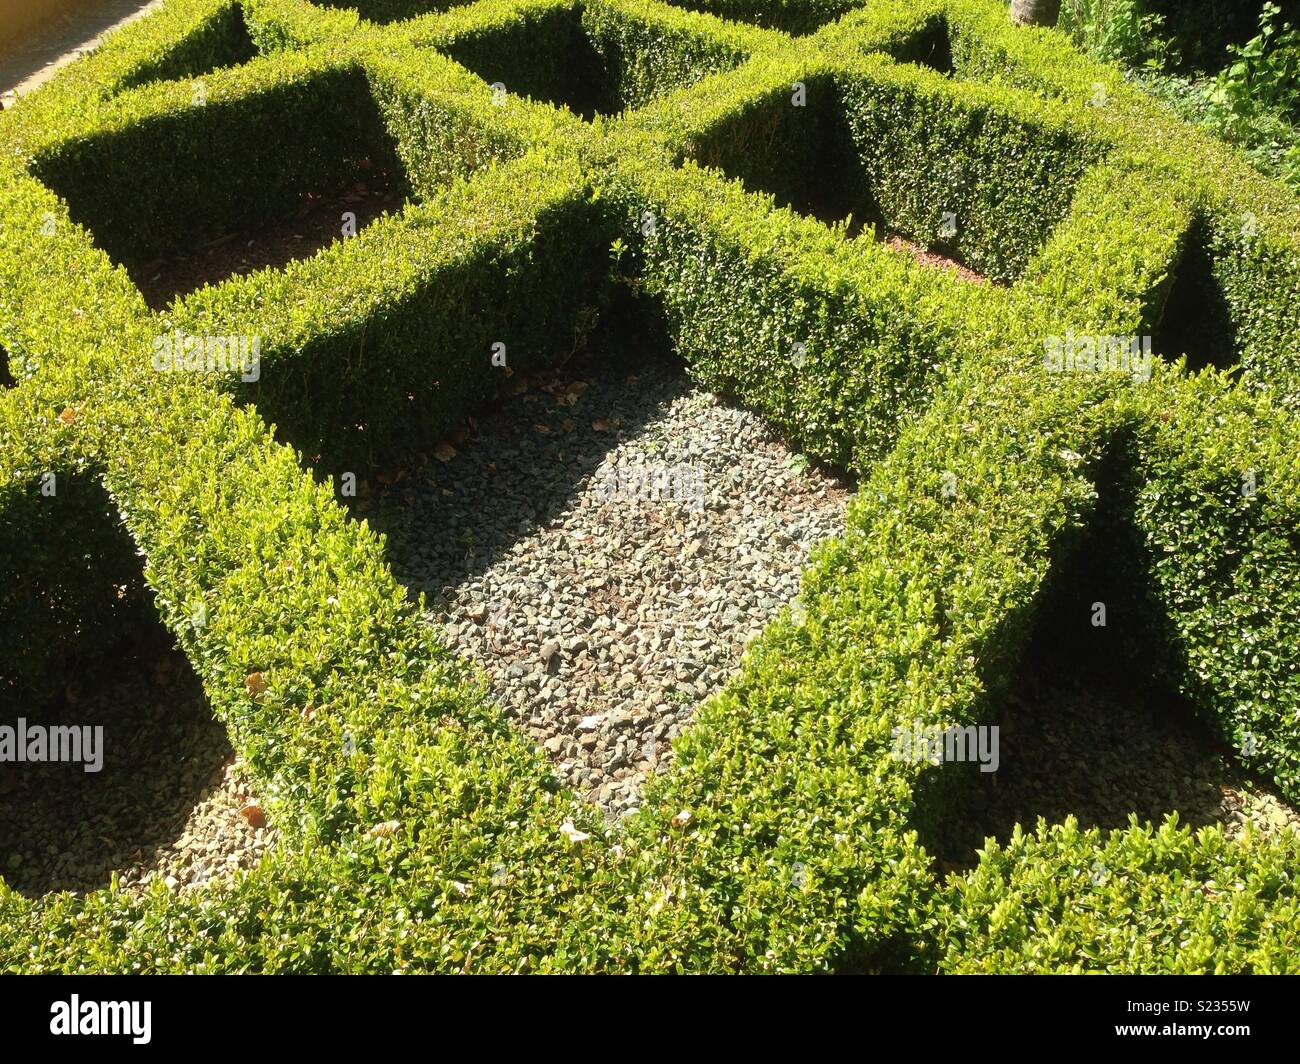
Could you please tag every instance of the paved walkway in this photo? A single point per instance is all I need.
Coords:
(27, 64)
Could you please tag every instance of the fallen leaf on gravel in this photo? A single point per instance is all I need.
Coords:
(572, 393)
(444, 452)
(573, 834)
(682, 818)
(255, 816)
(254, 684)
(385, 830)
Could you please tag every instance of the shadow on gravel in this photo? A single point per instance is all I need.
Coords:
(114, 668)
(522, 463)
(1090, 724)
(62, 828)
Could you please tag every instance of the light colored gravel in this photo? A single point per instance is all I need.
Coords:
(166, 804)
(605, 545)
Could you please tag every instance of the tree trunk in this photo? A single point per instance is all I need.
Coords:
(1035, 12)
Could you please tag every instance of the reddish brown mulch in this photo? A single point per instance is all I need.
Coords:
(315, 225)
(922, 255)
(934, 259)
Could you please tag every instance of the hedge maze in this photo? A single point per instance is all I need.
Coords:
(736, 167)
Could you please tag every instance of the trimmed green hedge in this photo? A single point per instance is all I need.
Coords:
(834, 342)
(1219, 476)
(597, 58)
(979, 469)
(1148, 901)
(1249, 224)
(411, 307)
(902, 149)
(1003, 165)
(652, 50)
(165, 172)
(219, 39)
(384, 11)
(537, 50)
(792, 16)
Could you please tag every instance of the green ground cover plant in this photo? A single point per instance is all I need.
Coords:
(1230, 68)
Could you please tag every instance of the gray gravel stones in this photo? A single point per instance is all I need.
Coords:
(605, 545)
(165, 805)
(216, 841)
(1099, 749)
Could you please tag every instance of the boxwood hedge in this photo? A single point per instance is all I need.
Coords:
(1157, 900)
(978, 468)
(792, 16)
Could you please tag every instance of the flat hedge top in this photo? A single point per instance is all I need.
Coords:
(911, 616)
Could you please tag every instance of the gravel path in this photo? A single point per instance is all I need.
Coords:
(35, 55)
(168, 802)
(605, 545)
